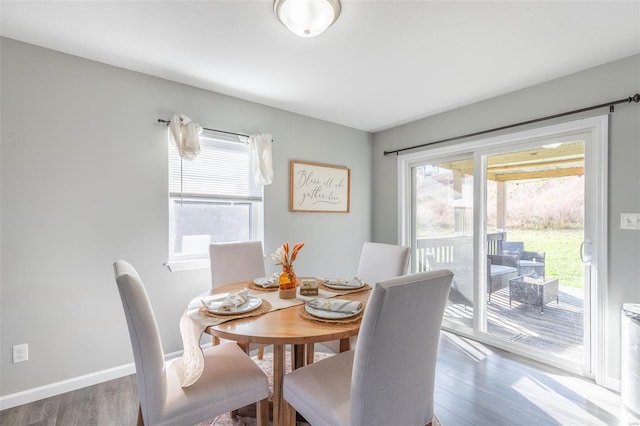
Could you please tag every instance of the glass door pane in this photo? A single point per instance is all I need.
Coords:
(442, 237)
(535, 198)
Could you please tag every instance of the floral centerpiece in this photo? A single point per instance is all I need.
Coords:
(287, 280)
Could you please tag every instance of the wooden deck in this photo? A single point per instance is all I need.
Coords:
(559, 330)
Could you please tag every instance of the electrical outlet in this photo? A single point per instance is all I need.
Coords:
(20, 353)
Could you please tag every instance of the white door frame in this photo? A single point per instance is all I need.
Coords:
(596, 203)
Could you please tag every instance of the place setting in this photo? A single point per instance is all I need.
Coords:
(234, 305)
(332, 310)
(270, 283)
(343, 285)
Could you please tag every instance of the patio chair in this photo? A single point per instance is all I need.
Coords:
(530, 263)
(500, 269)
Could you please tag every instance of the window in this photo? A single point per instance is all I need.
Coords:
(211, 199)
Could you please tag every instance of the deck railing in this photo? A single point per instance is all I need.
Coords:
(446, 250)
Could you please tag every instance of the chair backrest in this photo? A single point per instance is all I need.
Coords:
(504, 259)
(395, 357)
(145, 339)
(513, 247)
(537, 256)
(379, 262)
(237, 261)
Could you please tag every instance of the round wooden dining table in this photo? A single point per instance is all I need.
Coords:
(282, 327)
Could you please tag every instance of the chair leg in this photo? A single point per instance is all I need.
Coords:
(262, 412)
(310, 350)
(260, 353)
(293, 357)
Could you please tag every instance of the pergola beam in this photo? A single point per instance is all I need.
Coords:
(538, 174)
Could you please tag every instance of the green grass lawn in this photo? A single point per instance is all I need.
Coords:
(562, 252)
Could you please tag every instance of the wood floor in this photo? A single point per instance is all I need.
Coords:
(475, 385)
(479, 385)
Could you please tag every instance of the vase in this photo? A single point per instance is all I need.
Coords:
(288, 283)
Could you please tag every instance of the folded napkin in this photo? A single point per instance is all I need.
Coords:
(273, 281)
(230, 303)
(353, 282)
(336, 305)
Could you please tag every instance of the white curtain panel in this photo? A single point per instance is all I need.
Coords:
(185, 135)
(260, 146)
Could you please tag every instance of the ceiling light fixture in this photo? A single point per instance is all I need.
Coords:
(307, 18)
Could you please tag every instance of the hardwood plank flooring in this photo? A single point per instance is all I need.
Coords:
(475, 385)
(112, 403)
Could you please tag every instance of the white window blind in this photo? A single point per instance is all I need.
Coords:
(222, 170)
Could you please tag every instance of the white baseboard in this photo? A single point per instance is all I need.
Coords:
(53, 389)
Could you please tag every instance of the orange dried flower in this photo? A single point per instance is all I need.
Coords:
(281, 256)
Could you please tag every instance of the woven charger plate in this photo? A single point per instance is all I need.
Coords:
(351, 320)
(333, 290)
(262, 309)
(254, 286)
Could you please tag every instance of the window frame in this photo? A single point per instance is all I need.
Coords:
(189, 261)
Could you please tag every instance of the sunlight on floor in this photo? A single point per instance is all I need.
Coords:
(548, 400)
(476, 351)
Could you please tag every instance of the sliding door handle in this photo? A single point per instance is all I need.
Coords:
(585, 252)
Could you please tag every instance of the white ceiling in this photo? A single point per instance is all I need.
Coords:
(381, 64)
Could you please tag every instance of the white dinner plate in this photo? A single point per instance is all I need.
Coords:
(262, 280)
(323, 313)
(251, 304)
(340, 286)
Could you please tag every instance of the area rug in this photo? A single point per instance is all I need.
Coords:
(266, 364)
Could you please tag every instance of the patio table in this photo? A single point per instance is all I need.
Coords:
(531, 291)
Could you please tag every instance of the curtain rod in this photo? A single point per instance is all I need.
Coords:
(167, 122)
(635, 98)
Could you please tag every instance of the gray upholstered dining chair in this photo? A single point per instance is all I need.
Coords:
(380, 382)
(230, 379)
(378, 262)
(234, 262)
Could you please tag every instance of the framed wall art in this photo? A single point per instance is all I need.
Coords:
(319, 187)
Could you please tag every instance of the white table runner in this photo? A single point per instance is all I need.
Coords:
(193, 324)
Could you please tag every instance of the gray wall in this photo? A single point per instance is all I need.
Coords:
(84, 182)
(613, 81)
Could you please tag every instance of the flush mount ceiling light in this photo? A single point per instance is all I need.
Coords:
(307, 18)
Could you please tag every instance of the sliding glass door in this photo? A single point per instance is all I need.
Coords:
(519, 219)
